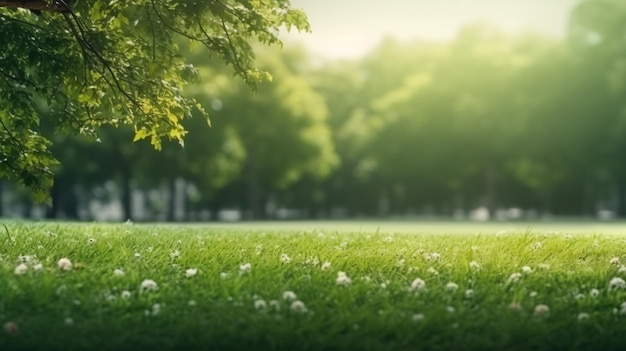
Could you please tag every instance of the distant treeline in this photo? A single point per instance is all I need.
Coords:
(412, 128)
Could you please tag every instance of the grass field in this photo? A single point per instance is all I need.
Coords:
(313, 286)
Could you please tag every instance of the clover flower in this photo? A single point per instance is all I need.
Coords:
(289, 296)
(65, 264)
(418, 285)
(452, 286)
(245, 268)
(617, 283)
(191, 272)
(21, 269)
(148, 285)
(343, 279)
(298, 306)
(542, 310)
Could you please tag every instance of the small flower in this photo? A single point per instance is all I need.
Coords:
(450, 309)
(515, 307)
(260, 304)
(474, 265)
(401, 262)
(298, 306)
(21, 269)
(175, 254)
(224, 275)
(148, 285)
(275, 304)
(594, 292)
(527, 270)
(69, 321)
(192, 303)
(418, 285)
(542, 310)
(284, 258)
(110, 298)
(622, 269)
(532, 294)
(614, 261)
(37, 267)
(245, 268)
(156, 309)
(432, 271)
(583, 316)
(10, 328)
(137, 255)
(325, 265)
(65, 264)
(51, 233)
(515, 277)
(435, 256)
(617, 283)
(536, 246)
(289, 296)
(469, 293)
(125, 294)
(191, 272)
(91, 241)
(579, 297)
(343, 279)
(118, 272)
(418, 317)
(451, 286)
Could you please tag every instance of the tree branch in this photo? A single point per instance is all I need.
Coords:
(39, 5)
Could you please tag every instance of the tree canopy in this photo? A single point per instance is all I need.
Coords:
(88, 63)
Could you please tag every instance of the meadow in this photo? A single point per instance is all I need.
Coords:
(313, 286)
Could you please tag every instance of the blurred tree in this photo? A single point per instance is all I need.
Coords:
(96, 62)
(282, 128)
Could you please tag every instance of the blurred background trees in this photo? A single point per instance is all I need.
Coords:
(519, 125)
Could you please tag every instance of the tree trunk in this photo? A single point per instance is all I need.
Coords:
(171, 208)
(491, 178)
(127, 194)
(254, 188)
(55, 194)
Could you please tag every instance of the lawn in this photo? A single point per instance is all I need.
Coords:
(363, 286)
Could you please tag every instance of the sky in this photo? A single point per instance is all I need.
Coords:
(350, 28)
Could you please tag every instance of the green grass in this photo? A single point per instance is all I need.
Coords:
(83, 308)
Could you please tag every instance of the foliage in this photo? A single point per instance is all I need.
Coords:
(117, 63)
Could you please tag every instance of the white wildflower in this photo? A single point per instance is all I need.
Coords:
(118, 272)
(156, 309)
(450, 309)
(343, 279)
(532, 294)
(284, 258)
(418, 317)
(400, 262)
(527, 270)
(617, 283)
(515, 307)
(38, 267)
(260, 304)
(275, 304)
(594, 292)
(298, 306)
(583, 316)
(137, 255)
(418, 285)
(125, 294)
(474, 265)
(175, 254)
(515, 277)
(91, 241)
(452, 286)
(10, 327)
(579, 296)
(21, 269)
(224, 275)
(191, 272)
(469, 293)
(289, 296)
(245, 268)
(432, 271)
(622, 269)
(69, 321)
(65, 264)
(542, 310)
(325, 265)
(148, 285)
(435, 256)
(110, 298)
(192, 303)
(614, 260)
